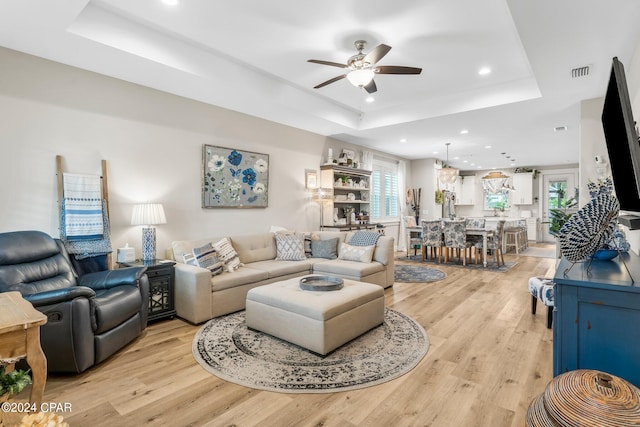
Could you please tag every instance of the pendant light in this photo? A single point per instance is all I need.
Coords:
(447, 174)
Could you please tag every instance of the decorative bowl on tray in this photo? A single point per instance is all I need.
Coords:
(605, 254)
(321, 283)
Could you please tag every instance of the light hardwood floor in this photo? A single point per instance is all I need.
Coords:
(488, 358)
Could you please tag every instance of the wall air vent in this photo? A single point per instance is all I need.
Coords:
(580, 72)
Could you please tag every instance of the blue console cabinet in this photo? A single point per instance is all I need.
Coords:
(596, 321)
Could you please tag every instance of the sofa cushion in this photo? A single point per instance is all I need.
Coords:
(227, 254)
(324, 248)
(348, 268)
(242, 276)
(356, 253)
(207, 257)
(255, 247)
(289, 247)
(284, 268)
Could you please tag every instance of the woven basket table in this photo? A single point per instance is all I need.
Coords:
(586, 398)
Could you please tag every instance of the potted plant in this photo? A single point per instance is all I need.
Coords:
(559, 216)
(12, 383)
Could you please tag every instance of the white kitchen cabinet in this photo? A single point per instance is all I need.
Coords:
(523, 189)
(465, 189)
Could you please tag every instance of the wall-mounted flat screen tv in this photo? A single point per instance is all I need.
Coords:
(622, 140)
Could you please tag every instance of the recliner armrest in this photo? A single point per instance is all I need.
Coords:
(56, 296)
(112, 278)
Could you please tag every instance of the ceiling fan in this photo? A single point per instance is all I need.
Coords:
(361, 68)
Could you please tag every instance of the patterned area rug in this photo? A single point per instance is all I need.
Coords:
(411, 273)
(491, 264)
(225, 347)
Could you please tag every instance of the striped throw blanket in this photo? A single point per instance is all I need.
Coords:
(83, 207)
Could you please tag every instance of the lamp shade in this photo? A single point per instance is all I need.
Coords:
(360, 78)
(148, 214)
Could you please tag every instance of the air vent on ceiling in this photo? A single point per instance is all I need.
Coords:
(580, 72)
(559, 128)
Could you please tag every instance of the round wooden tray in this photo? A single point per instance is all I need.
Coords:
(321, 283)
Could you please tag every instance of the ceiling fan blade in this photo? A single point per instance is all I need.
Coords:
(377, 54)
(333, 64)
(371, 87)
(328, 82)
(393, 69)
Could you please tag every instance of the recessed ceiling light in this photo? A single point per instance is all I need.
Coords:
(456, 158)
(370, 99)
(472, 164)
(465, 161)
(487, 146)
(464, 132)
(403, 140)
(479, 167)
(434, 152)
(171, 2)
(484, 71)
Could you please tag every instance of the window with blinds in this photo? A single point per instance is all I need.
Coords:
(384, 191)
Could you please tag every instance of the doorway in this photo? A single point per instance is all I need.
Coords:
(557, 190)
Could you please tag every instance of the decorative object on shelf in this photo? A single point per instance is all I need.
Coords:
(320, 196)
(604, 254)
(447, 174)
(496, 182)
(330, 155)
(351, 196)
(310, 179)
(234, 178)
(589, 228)
(148, 214)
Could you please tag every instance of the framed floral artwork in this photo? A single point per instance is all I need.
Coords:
(234, 178)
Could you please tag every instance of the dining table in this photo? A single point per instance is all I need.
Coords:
(485, 233)
(416, 232)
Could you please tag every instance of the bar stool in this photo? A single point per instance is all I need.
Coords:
(516, 236)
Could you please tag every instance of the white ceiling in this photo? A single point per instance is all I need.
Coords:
(250, 56)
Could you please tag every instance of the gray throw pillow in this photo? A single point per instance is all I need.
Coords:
(324, 248)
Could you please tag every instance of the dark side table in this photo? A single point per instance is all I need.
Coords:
(161, 276)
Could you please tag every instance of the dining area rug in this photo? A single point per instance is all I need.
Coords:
(411, 273)
(226, 348)
(491, 264)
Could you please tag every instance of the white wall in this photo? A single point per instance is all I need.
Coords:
(152, 142)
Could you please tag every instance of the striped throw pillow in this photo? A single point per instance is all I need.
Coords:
(227, 254)
(207, 257)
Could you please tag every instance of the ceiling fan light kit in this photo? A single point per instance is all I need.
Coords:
(360, 68)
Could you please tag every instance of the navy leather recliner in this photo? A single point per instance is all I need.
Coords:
(90, 317)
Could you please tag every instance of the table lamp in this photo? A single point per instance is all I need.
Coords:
(148, 214)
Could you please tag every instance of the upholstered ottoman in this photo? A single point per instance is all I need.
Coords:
(320, 321)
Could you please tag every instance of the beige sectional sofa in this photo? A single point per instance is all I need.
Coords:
(199, 296)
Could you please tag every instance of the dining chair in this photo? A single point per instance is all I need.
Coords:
(455, 237)
(413, 238)
(432, 239)
(494, 243)
(474, 223)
